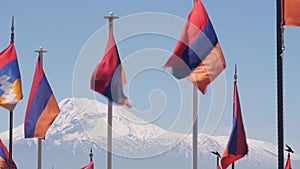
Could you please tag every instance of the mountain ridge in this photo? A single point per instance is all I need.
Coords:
(82, 124)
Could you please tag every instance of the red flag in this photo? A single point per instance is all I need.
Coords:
(291, 12)
(288, 163)
(89, 166)
(237, 145)
(109, 77)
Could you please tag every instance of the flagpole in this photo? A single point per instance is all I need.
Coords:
(195, 123)
(195, 127)
(12, 36)
(109, 135)
(41, 52)
(110, 18)
(10, 138)
(280, 48)
(235, 80)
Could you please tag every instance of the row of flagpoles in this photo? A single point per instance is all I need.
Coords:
(197, 57)
(42, 108)
(200, 62)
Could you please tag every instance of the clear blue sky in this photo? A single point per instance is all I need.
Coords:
(246, 31)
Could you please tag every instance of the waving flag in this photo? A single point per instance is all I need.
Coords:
(288, 163)
(4, 157)
(10, 79)
(42, 108)
(291, 12)
(197, 55)
(108, 77)
(89, 166)
(237, 145)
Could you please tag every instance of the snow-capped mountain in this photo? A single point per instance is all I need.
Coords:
(82, 124)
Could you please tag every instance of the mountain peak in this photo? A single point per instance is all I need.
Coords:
(82, 123)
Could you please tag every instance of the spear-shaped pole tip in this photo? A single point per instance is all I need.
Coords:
(235, 72)
(91, 155)
(12, 35)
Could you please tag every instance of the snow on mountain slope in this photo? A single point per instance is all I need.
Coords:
(83, 122)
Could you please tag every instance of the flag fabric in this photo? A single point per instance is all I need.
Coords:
(10, 79)
(4, 157)
(291, 12)
(218, 166)
(109, 77)
(197, 55)
(89, 166)
(237, 145)
(42, 108)
(288, 163)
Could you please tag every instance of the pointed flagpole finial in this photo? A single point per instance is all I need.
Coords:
(91, 155)
(12, 35)
(235, 72)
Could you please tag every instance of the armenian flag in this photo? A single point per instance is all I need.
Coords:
(42, 108)
(237, 145)
(197, 55)
(109, 77)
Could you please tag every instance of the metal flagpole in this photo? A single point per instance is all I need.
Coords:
(235, 80)
(12, 37)
(41, 52)
(280, 48)
(109, 135)
(195, 124)
(195, 127)
(110, 18)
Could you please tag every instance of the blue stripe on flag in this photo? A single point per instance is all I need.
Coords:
(200, 47)
(2, 154)
(38, 104)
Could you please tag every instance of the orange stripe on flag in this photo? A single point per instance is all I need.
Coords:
(291, 12)
(46, 119)
(209, 69)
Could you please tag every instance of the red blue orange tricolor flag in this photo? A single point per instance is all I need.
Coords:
(89, 166)
(108, 78)
(10, 79)
(291, 12)
(4, 157)
(237, 145)
(42, 108)
(197, 55)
